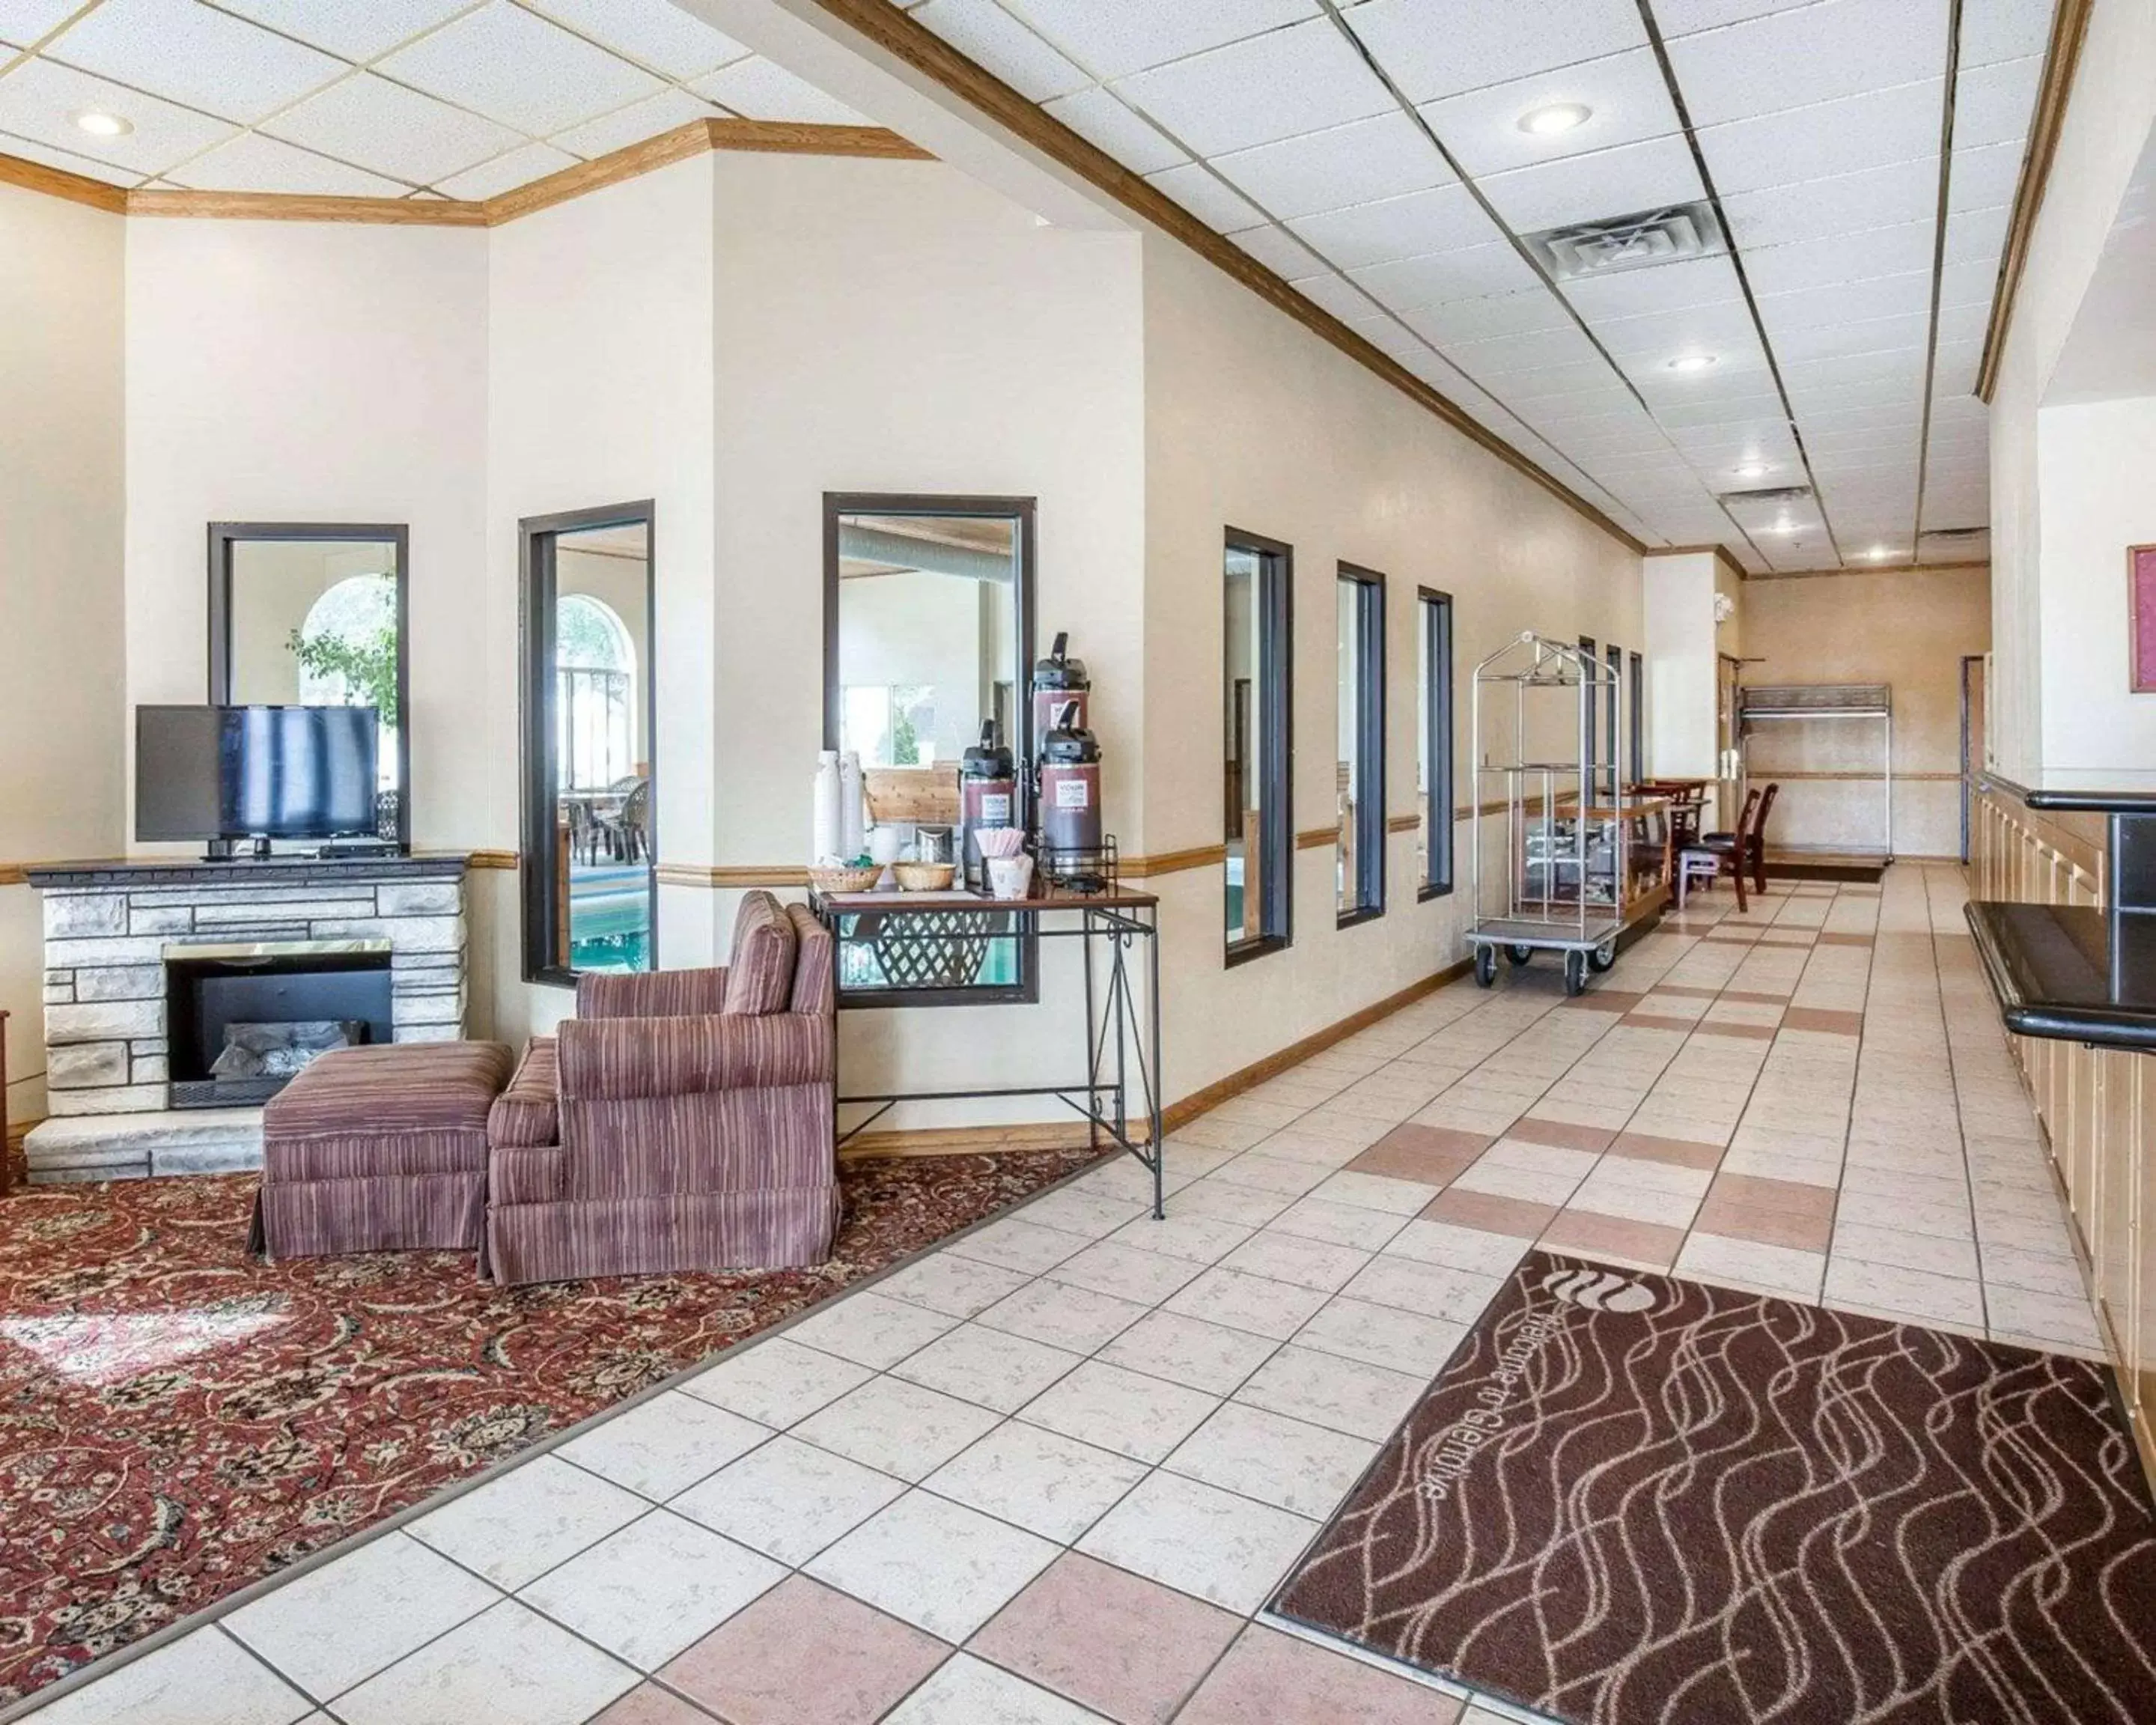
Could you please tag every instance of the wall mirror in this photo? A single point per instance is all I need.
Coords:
(590, 851)
(307, 614)
(927, 637)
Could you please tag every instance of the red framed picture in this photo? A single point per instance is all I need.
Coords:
(2141, 615)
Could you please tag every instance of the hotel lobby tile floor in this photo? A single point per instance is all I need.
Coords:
(1051, 1472)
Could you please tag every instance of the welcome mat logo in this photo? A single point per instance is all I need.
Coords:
(1599, 1289)
(1447, 1456)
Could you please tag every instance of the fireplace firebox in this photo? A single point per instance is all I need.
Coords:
(216, 994)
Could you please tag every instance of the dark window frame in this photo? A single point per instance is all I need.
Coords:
(225, 536)
(1024, 511)
(1370, 820)
(538, 730)
(1436, 616)
(1273, 604)
(1635, 665)
(1612, 655)
(1589, 743)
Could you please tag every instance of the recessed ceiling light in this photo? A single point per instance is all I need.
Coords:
(1558, 117)
(1691, 361)
(1878, 554)
(104, 126)
(1752, 469)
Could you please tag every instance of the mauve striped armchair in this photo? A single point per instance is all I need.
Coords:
(681, 1121)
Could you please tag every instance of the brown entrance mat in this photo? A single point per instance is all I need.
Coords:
(1630, 1500)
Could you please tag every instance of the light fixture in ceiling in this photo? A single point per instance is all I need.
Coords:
(1752, 470)
(1879, 553)
(1558, 117)
(100, 125)
(1693, 361)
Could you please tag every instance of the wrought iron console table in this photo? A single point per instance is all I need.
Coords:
(1122, 1038)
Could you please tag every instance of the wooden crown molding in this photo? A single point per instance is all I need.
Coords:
(901, 35)
(2062, 57)
(757, 136)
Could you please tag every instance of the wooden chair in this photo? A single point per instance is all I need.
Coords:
(1744, 851)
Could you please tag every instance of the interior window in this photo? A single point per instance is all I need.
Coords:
(1360, 867)
(1257, 574)
(928, 625)
(314, 616)
(591, 852)
(1434, 740)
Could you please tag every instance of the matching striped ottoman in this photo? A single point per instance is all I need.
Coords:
(379, 1148)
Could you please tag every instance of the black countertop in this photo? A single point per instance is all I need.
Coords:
(271, 871)
(2106, 791)
(2071, 972)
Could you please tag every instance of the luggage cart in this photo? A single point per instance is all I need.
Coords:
(1566, 828)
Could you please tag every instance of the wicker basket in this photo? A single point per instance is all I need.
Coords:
(924, 877)
(843, 877)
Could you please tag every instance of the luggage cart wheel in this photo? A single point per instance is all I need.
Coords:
(1575, 972)
(1604, 955)
(1519, 955)
(1485, 965)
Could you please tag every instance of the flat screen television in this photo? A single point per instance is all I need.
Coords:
(256, 771)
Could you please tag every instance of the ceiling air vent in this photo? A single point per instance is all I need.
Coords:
(1666, 235)
(1767, 496)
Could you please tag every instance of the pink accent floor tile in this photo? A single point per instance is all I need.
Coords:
(1271, 1679)
(1679, 1152)
(1111, 1640)
(805, 1655)
(1595, 1235)
(648, 1704)
(1489, 1211)
(1564, 1134)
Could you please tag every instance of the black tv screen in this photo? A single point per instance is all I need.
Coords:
(255, 772)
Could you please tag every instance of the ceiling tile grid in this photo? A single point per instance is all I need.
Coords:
(396, 98)
(1395, 159)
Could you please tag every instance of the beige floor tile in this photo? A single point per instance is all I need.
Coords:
(775, 1381)
(651, 1590)
(934, 1564)
(1135, 1416)
(788, 1500)
(516, 1526)
(895, 1427)
(991, 1369)
(1200, 1540)
(508, 1665)
(1048, 1484)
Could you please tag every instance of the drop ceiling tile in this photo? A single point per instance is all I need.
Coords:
(374, 124)
(1845, 303)
(22, 22)
(1662, 287)
(1439, 47)
(1976, 236)
(356, 31)
(1902, 250)
(1302, 79)
(1739, 373)
(507, 173)
(1811, 211)
(1682, 17)
(1993, 30)
(757, 90)
(1501, 356)
(1367, 160)
(1882, 392)
(1689, 329)
(1279, 252)
(1442, 219)
(1870, 335)
(513, 67)
(1387, 337)
(1811, 53)
(1992, 103)
(1611, 183)
(668, 39)
(1492, 315)
(991, 37)
(1626, 96)
(1838, 137)
(40, 97)
(1101, 117)
(1202, 191)
(1905, 363)
(1719, 410)
(1958, 363)
(188, 53)
(1984, 176)
(1589, 384)
(1824, 422)
(1969, 283)
(1438, 277)
(252, 162)
(1338, 295)
(68, 161)
(1114, 41)
(634, 124)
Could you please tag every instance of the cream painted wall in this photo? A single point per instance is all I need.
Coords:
(1682, 643)
(600, 391)
(62, 790)
(2108, 124)
(1908, 629)
(2096, 466)
(1251, 421)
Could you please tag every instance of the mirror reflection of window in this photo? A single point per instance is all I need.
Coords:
(312, 622)
(926, 610)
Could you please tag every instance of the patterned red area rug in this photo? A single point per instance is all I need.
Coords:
(1628, 1500)
(177, 1420)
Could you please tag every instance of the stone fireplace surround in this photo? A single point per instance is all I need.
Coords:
(110, 926)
